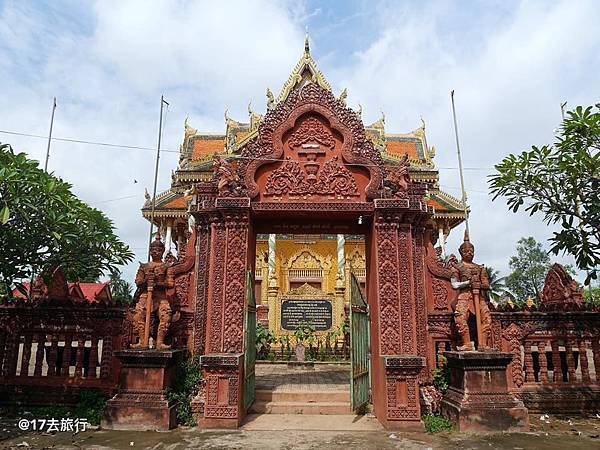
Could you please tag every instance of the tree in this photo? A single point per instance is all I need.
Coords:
(497, 284)
(562, 182)
(43, 225)
(122, 290)
(529, 268)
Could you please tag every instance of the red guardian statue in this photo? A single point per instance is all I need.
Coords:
(154, 279)
(471, 279)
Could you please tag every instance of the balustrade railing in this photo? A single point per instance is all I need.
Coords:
(59, 349)
(564, 360)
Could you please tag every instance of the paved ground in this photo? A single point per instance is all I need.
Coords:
(558, 434)
(322, 377)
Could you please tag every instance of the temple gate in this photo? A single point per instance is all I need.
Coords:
(309, 168)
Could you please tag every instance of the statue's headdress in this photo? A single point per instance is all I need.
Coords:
(157, 243)
(466, 243)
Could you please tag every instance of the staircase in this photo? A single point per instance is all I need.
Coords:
(326, 402)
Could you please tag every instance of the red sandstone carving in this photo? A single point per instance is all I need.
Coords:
(398, 179)
(560, 290)
(154, 279)
(229, 183)
(470, 279)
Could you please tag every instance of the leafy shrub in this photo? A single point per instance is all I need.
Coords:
(436, 424)
(441, 375)
(264, 339)
(185, 387)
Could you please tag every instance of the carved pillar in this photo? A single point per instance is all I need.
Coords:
(583, 361)
(105, 363)
(272, 252)
(26, 355)
(66, 360)
(79, 361)
(341, 255)
(39, 354)
(596, 352)
(231, 255)
(570, 361)
(556, 363)
(203, 237)
(529, 374)
(543, 362)
(93, 361)
(52, 369)
(393, 306)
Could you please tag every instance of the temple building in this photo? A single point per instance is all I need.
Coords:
(321, 261)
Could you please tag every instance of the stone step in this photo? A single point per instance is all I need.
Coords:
(322, 408)
(302, 396)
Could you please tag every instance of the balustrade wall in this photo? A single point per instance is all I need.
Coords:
(58, 351)
(556, 363)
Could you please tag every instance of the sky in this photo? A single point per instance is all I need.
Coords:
(511, 64)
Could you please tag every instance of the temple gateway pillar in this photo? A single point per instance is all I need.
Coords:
(395, 295)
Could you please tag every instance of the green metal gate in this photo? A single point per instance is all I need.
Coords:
(250, 343)
(359, 342)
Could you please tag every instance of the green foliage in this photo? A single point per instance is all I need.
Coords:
(45, 225)
(264, 339)
(594, 296)
(436, 424)
(529, 268)
(90, 406)
(184, 388)
(305, 333)
(562, 182)
(497, 285)
(441, 375)
(122, 290)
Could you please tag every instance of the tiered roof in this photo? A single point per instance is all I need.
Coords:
(197, 150)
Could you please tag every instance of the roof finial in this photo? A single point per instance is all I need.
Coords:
(306, 43)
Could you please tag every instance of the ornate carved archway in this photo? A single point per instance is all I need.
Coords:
(312, 168)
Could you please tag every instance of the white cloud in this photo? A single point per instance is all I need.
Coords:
(108, 65)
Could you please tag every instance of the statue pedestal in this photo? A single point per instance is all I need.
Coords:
(141, 403)
(478, 397)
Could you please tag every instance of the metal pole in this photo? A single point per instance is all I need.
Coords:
(162, 103)
(460, 167)
(50, 135)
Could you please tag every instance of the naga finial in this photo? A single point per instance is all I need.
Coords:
(343, 96)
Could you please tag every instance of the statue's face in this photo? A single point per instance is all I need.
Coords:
(467, 252)
(156, 253)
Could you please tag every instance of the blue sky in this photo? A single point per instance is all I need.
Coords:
(511, 63)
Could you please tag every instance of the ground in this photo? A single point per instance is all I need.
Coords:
(559, 433)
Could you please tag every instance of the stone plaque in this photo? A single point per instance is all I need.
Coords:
(315, 312)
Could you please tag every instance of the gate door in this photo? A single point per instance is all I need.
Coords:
(250, 343)
(359, 342)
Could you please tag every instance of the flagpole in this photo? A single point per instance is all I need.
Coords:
(160, 123)
(460, 167)
(50, 135)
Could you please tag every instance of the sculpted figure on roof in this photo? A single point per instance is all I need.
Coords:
(229, 183)
(397, 180)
